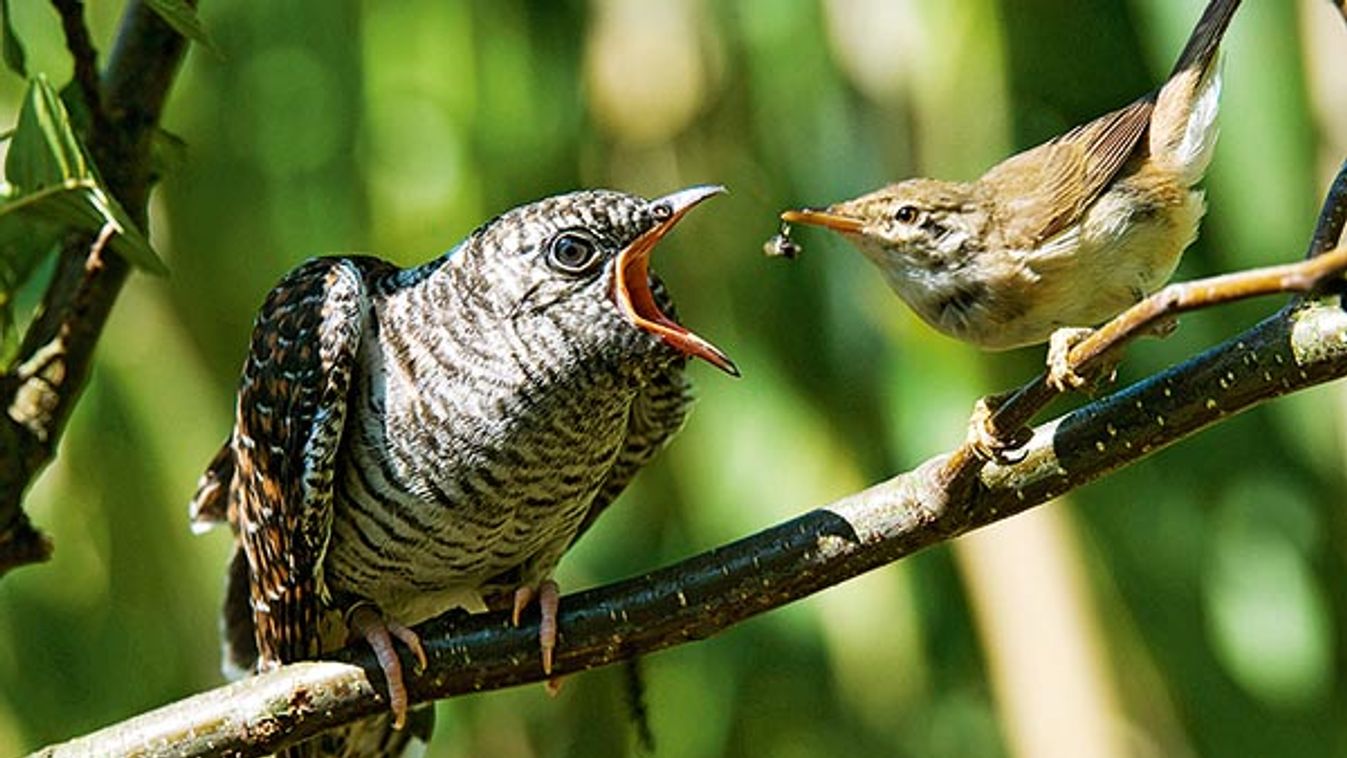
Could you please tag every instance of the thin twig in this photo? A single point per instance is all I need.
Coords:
(1324, 263)
(85, 58)
(62, 336)
(704, 595)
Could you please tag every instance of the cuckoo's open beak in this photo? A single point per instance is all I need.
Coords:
(825, 218)
(632, 283)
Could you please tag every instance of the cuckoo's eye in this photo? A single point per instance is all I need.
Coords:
(572, 252)
(906, 214)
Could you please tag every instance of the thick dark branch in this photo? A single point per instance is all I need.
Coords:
(40, 388)
(1294, 349)
(1333, 216)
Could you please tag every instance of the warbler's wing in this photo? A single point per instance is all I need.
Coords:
(289, 419)
(1056, 182)
(656, 415)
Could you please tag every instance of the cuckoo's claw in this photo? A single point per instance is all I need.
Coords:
(379, 632)
(548, 595)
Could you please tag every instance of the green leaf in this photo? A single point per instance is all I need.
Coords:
(44, 150)
(24, 244)
(13, 49)
(182, 17)
(51, 178)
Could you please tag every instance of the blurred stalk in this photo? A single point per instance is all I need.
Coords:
(1036, 615)
(1326, 77)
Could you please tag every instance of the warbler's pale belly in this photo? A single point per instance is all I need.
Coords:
(1120, 252)
(1124, 254)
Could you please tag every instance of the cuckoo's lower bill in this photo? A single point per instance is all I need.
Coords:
(411, 440)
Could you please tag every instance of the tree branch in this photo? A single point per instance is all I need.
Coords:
(40, 388)
(1299, 347)
(1323, 269)
(85, 60)
(1333, 216)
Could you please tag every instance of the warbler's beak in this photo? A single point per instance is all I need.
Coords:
(632, 283)
(824, 217)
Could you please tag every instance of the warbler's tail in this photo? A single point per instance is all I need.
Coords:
(1206, 37)
(1183, 125)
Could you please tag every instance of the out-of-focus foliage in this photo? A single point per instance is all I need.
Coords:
(52, 187)
(182, 17)
(1195, 604)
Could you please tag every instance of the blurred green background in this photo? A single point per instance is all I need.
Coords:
(1195, 604)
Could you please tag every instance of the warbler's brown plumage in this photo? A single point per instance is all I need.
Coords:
(1067, 233)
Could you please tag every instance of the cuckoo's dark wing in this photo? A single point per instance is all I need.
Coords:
(210, 504)
(656, 414)
(288, 425)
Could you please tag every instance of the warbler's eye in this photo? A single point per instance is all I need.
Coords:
(572, 252)
(906, 214)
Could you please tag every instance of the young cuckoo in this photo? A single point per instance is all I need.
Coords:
(411, 440)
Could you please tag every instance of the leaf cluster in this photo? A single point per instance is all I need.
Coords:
(52, 187)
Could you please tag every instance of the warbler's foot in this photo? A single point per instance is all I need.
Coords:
(984, 438)
(548, 595)
(366, 620)
(1163, 327)
(553, 685)
(1062, 375)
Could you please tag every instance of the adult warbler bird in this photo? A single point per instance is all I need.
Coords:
(1066, 234)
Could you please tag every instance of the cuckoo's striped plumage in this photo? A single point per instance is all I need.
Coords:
(413, 440)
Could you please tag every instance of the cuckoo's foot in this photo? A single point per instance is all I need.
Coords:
(379, 632)
(986, 441)
(548, 595)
